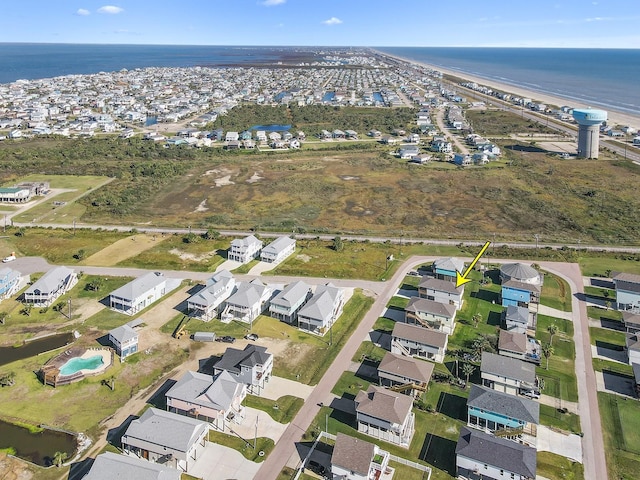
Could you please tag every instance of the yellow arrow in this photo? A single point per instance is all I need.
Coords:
(461, 279)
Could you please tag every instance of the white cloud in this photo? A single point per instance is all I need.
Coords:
(333, 21)
(110, 9)
(83, 12)
(272, 3)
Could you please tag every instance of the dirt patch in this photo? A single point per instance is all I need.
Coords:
(255, 178)
(14, 469)
(87, 308)
(294, 355)
(121, 250)
(202, 206)
(222, 181)
(303, 258)
(192, 256)
(349, 177)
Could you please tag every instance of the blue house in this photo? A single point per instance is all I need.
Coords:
(519, 294)
(9, 281)
(445, 268)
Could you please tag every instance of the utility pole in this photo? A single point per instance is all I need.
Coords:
(69, 303)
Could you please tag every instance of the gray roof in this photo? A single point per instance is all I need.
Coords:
(353, 454)
(507, 367)
(51, 280)
(529, 287)
(250, 240)
(449, 263)
(439, 285)
(626, 281)
(278, 245)
(512, 406)
(292, 294)
(422, 335)
(11, 274)
(248, 294)
(636, 372)
(417, 304)
(111, 466)
(321, 305)
(199, 389)
(512, 341)
(214, 291)
(632, 341)
(123, 333)
(139, 286)
(252, 355)
(408, 367)
(631, 319)
(384, 404)
(497, 452)
(519, 271)
(166, 429)
(517, 314)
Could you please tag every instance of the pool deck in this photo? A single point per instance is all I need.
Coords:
(81, 352)
(106, 360)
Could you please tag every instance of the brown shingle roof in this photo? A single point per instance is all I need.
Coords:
(353, 454)
(384, 404)
(417, 304)
(514, 342)
(418, 334)
(408, 367)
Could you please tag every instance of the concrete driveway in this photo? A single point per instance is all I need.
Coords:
(278, 386)
(569, 446)
(267, 426)
(221, 463)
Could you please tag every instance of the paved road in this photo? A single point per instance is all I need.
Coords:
(447, 132)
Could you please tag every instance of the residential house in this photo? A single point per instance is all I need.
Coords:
(442, 291)
(413, 340)
(357, 459)
(338, 134)
(108, 466)
(631, 321)
(10, 281)
(213, 400)
(441, 146)
(446, 268)
(518, 319)
(141, 292)
(462, 160)
(251, 366)
(322, 310)
(232, 137)
(507, 374)
(248, 301)
(278, 250)
(520, 272)
(484, 456)
(421, 158)
(286, 304)
(206, 303)
(351, 134)
(430, 314)
(520, 346)
(389, 140)
(633, 348)
(244, 250)
(125, 340)
(48, 288)
(404, 374)
(407, 152)
(627, 291)
(503, 415)
(166, 438)
(386, 415)
(520, 294)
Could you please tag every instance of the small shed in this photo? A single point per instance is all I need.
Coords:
(204, 336)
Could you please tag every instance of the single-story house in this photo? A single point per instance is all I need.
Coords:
(481, 455)
(357, 459)
(251, 366)
(278, 250)
(14, 194)
(248, 301)
(206, 303)
(322, 310)
(108, 466)
(141, 292)
(430, 314)
(507, 374)
(244, 250)
(386, 415)
(443, 291)
(125, 340)
(404, 374)
(413, 340)
(48, 288)
(166, 438)
(506, 416)
(627, 291)
(446, 268)
(286, 304)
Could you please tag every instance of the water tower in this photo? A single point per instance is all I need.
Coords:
(589, 121)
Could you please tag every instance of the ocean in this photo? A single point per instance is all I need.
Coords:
(605, 78)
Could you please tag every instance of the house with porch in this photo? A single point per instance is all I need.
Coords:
(251, 366)
(248, 301)
(386, 415)
(322, 310)
(520, 294)
(506, 416)
(482, 456)
(357, 459)
(627, 287)
(51, 286)
(631, 321)
(244, 250)
(10, 281)
(404, 374)
(413, 340)
(518, 319)
(108, 466)
(430, 314)
(166, 438)
(520, 346)
(278, 250)
(141, 292)
(205, 304)
(124, 340)
(442, 291)
(215, 401)
(286, 304)
(446, 268)
(507, 374)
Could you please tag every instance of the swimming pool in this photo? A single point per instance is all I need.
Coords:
(76, 364)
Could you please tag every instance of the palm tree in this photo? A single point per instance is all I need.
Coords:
(59, 458)
(456, 356)
(481, 344)
(477, 318)
(547, 351)
(468, 369)
(552, 329)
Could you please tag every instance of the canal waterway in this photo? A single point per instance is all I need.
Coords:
(34, 347)
(38, 448)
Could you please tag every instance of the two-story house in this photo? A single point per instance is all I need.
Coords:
(109, 465)
(507, 374)
(386, 415)
(248, 301)
(430, 314)
(413, 340)
(322, 310)
(278, 250)
(124, 340)
(251, 366)
(442, 291)
(206, 303)
(627, 291)
(520, 294)
(445, 268)
(518, 319)
(141, 292)
(404, 374)
(357, 459)
(9, 282)
(244, 250)
(286, 304)
(51, 286)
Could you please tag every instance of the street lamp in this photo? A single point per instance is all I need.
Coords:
(537, 237)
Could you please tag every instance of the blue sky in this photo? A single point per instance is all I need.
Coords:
(517, 23)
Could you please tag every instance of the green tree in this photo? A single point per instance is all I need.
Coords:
(80, 254)
(59, 458)
(211, 234)
(552, 329)
(468, 369)
(547, 351)
(7, 379)
(338, 245)
(95, 285)
(477, 318)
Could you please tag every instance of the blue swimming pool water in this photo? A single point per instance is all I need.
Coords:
(76, 364)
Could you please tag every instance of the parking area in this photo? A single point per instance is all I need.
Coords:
(219, 462)
(567, 445)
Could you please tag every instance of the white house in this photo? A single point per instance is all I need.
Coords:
(141, 292)
(244, 250)
(286, 304)
(322, 310)
(404, 374)
(251, 366)
(430, 314)
(442, 291)
(627, 291)
(507, 374)
(48, 288)
(357, 459)
(414, 340)
(108, 466)
(278, 250)
(248, 301)
(206, 303)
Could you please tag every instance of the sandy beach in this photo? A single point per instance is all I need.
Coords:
(615, 117)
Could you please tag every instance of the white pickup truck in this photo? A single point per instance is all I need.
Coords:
(10, 258)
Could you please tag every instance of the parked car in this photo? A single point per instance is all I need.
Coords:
(251, 336)
(226, 339)
(316, 467)
(531, 394)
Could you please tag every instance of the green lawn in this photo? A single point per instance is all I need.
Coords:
(282, 410)
(598, 265)
(555, 293)
(384, 324)
(621, 426)
(245, 447)
(600, 365)
(370, 351)
(603, 294)
(554, 467)
(606, 338)
(604, 314)
(349, 384)
(551, 417)
(399, 303)
(245, 268)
